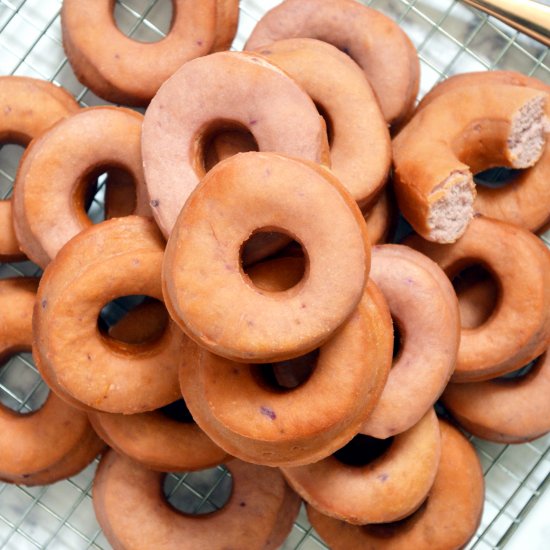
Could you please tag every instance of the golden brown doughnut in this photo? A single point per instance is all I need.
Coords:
(265, 191)
(387, 489)
(525, 201)
(258, 515)
(446, 521)
(425, 309)
(245, 416)
(28, 107)
(112, 259)
(519, 329)
(112, 138)
(512, 410)
(372, 39)
(123, 70)
(360, 147)
(227, 21)
(262, 100)
(42, 439)
(465, 131)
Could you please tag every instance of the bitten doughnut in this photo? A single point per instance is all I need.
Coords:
(28, 107)
(525, 201)
(50, 435)
(126, 71)
(425, 309)
(447, 520)
(520, 264)
(512, 410)
(112, 139)
(360, 147)
(115, 258)
(250, 419)
(387, 489)
(462, 132)
(372, 39)
(258, 515)
(265, 191)
(263, 100)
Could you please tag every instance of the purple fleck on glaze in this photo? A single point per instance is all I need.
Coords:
(154, 203)
(409, 281)
(253, 122)
(44, 304)
(199, 43)
(266, 411)
(382, 477)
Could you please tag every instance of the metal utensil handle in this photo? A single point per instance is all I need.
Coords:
(527, 16)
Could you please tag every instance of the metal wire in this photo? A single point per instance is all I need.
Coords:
(450, 38)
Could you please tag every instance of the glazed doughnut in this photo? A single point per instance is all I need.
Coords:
(218, 218)
(227, 21)
(447, 520)
(122, 70)
(525, 201)
(511, 410)
(466, 130)
(387, 489)
(112, 138)
(520, 264)
(42, 439)
(360, 147)
(28, 107)
(381, 219)
(372, 39)
(425, 309)
(232, 403)
(115, 258)
(71, 464)
(258, 515)
(263, 100)
(158, 441)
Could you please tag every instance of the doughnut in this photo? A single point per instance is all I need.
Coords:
(115, 258)
(360, 147)
(389, 488)
(244, 194)
(425, 309)
(373, 40)
(465, 131)
(258, 515)
(448, 519)
(112, 138)
(50, 435)
(28, 107)
(227, 21)
(71, 464)
(381, 218)
(504, 410)
(263, 100)
(250, 419)
(158, 441)
(520, 264)
(122, 70)
(525, 201)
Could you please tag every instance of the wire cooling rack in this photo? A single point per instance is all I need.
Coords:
(450, 38)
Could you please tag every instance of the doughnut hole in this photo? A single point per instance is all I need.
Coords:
(362, 450)
(496, 178)
(270, 243)
(91, 192)
(21, 387)
(328, 123)
(159, 18)
(178, 411)
(223, 140)
(478, 295)
(398, 339)
(199, 493)
(147, 313)
(285, 376)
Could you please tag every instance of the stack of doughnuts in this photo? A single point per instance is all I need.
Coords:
(279, 332)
